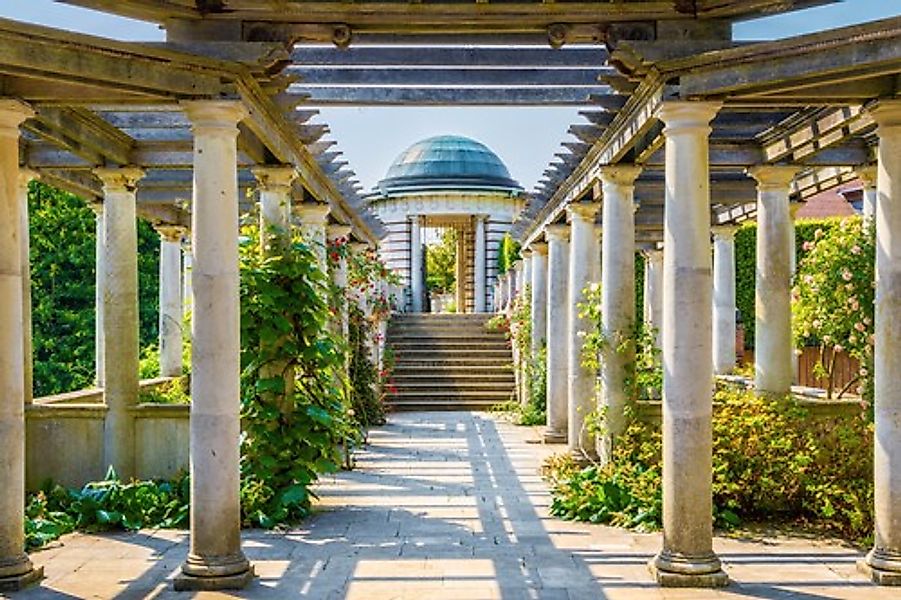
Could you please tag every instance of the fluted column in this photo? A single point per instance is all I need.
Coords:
(215, 560)
(25, 177)
(723, 299)
(884, 560)
(653, 293)
(687, 557)
(583, 267)
(171, 309)
(557, 326)
(417, 283)
(772, 333)
(16, 569)
(274, 185)
(618, 295)
(313, 218)
(539, 296)
(868, 176)
(121, 346)
(480, 259)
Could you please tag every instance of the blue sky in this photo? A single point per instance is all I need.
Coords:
(525, 138)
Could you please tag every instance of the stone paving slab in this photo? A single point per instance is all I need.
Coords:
(447, 506)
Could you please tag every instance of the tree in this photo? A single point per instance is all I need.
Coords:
(441, 263)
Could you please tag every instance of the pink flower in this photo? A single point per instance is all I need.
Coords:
(859, 326)
(808, 246)
(816, 324)
(855, 249)
(838, 348)
(846, 275)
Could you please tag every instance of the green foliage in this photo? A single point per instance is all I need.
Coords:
(772, 459)
(105, 505)
(63, 240)
(535, 411)
(176, 391)
(441, 263)
(508, 253)
(364, 398)
(833, 298)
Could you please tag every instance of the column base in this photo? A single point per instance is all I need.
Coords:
(676, 570)
(582, 458)
(881, 567)
(551, 436)
(214, 573)
(14, 583)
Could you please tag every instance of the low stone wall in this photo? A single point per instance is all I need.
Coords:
(162, 440)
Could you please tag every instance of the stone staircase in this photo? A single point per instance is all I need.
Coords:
(448, 362)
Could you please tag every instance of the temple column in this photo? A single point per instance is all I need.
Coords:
(215, 560)
(460, 271)
(653, 293)
(417, 283)
(274, 185)
(618, 295)
(557, 324)
(723, 299)
(687, 558)
(16, 569)
(583, 267)
(868, 176)
(772, 335)
(313, 221)
(186, 267)
(171, 309)
(99, 273)
(25, 177)
(884, 561)
(121, 346)
(539, 296)
(480, 263)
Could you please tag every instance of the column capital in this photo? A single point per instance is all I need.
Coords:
(582, 211)
(685, 116)
(481, 218)
(212, 115)
(274, 177)
(12, 114)
(887, 113)
(539, 248)
(27, 175)
(558, 232)
(359, 247)
(724, 232)
(338, 231)
(119, 179)
(312, 213)
(653, 255)
(415, 219)
(526, 252)
(171, 233)
(867, 175)
(773, 176)
(623, 174)
(793, 208)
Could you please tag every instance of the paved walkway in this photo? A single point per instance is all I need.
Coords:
(446, 506)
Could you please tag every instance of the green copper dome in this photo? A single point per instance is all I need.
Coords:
(447, 162)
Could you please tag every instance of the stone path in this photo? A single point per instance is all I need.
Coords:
(446, 506)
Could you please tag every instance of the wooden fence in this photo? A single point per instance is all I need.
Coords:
(846, 368)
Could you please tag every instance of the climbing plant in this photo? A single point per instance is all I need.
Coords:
(508, 253)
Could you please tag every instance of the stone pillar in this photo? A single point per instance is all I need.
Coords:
(460, 271)
(340, 234)
(653, 293)
(480, 263)
(313, 221)
(99, 273)
(723, 299)
(772, 335)
(583, 267)
(121, 346)
(687, 558)
(868, 175)
(215, 560)
(187, 267)
(884, 561)
(274, 184)
(526, 275)
(16, 569)
(417, 285)
(539, 296)
(171, 309)
(618, 294)
(25, 177)
(557, 340)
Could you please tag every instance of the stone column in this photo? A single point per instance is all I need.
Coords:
(16, 569)
(187, 267)
(884, 560)
(772, 335)
(171, 309)
(460, 271)
(215, 560)
(583, 267)
(99, 273)
(539, 296)
(618, 294)
(723, 299)
(417, 285)
(653, 293)
(120, 317)
(526, 274)
(313, 221)
(25, 177)
(340, 234)
(557, 326)
(480, 260)
(274, 184)
(868, 175)
(687, 558)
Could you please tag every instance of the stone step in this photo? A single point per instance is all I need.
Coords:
(453, 362)
(444, 406)
(416, 376)
(438, 389)
(449, 346)
(445, 334)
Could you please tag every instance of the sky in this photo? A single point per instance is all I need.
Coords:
(526, 139)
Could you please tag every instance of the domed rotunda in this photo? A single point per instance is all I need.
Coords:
(447, 182)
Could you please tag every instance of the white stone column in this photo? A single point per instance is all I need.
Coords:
(618, 294)
(99, 274)
(539, 296)
(460, 271)
(653, 293)
(340, 234)
(186, 268)
(215, 560)
(884, 560)
(772, 334)
(480, 260)
(526, 275)
(723, 299)
(121, 346)
(417, 284)
(557, 339)
(274, 185)
(16, 569)
(171, 309)
(25, 177)
(583, 267)
(687, 558)
(313, 221)
(868, 176)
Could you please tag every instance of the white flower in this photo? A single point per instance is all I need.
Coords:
(846, 275)
(855, 249)
(859, 326)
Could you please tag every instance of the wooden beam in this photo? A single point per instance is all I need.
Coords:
(84, 134)
(413, 57)
(449, 76)
(500, 96)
